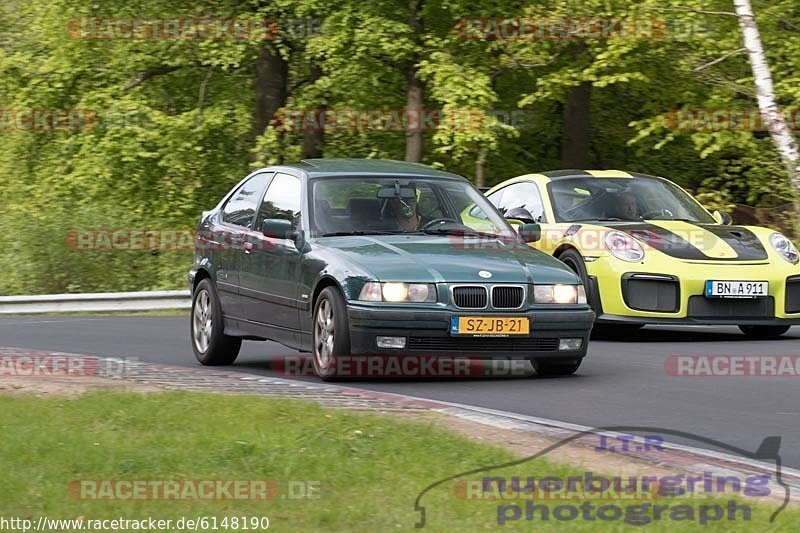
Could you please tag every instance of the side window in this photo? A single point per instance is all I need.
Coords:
(496, 197)
(524, 194)
(283, 200)
(240, 210)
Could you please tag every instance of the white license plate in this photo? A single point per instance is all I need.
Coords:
(736, 289)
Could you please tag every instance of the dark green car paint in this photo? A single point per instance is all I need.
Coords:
(348, 262)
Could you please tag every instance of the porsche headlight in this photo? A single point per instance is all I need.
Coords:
(784, 247)
(374, 291)
(623, 246)
(559, 294)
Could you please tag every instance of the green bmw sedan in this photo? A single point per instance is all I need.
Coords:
(343, 257)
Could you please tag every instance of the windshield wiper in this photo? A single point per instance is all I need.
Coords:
(361, 232)
(446, 231)
(459, 231)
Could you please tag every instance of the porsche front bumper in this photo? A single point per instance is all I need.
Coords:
(621, 293)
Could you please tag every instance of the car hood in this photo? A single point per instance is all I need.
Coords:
(433, 258)
(697, 242)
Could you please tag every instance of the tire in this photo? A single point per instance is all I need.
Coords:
(330, 332)
(575, 262)
(554, 368)
(764, 332)
(210, 345)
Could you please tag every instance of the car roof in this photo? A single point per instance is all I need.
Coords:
(315, 168)
(555, 175)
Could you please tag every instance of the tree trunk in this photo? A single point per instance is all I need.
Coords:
(480, 168)
(415, 100)
(270, 87)
(314, 139)
(781, 136)
(415, 136)
(575, 141)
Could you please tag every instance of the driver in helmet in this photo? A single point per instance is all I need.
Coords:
(623, 206)
(629, 206)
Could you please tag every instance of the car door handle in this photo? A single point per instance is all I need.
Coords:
(248, 247)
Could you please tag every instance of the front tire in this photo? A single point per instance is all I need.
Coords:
(574, 260)
(331, 332)
(211, 346)
(764, 332)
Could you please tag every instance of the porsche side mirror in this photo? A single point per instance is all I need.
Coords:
(723, 218)
(530, 232)
(521, 214)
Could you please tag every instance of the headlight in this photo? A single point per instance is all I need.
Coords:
(374, 291)
(559, 294)
(784, 247)
(623, 246)
(581, 294)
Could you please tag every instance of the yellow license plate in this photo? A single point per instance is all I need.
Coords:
(489, 325)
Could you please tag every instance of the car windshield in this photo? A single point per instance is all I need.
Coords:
(369, 205)
(627, 199)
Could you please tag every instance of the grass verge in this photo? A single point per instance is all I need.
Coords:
(363, 471)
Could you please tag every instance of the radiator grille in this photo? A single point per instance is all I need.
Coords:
(659, 295)
(470, 297)
(793, 295)
(507, 297)
(711, 308)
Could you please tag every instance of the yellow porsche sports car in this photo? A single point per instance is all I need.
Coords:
(649, 253)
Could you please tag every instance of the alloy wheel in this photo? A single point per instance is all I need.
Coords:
(324, 334)
(202, 321)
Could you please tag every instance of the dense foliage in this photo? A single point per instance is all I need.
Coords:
(170, 124)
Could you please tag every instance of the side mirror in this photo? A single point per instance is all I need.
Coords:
(723, 218)
(521, 214)
(530, 232)
(278, 228)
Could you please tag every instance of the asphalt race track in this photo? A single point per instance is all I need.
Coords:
(622, 381)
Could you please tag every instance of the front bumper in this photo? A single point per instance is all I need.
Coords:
(427, 333)
(647, 297)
